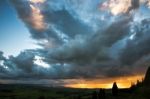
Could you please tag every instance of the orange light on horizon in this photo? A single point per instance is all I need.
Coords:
(122, 82)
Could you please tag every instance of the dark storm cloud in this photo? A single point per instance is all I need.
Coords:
(89, 57)
(139, 46)
(13, 66)
(56, 22)
(134, 4)
(23, 67)
(1, 56)
(93, 48)
(3, 71)
(23, 61)
(74, 49)
(63, 18)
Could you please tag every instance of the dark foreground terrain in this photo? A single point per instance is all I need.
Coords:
(141, 90)
(15, 91)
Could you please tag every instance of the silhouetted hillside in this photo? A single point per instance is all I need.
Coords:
(147, 78)
(142, 89)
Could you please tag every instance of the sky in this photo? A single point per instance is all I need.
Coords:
(74, 43)
(14, 36)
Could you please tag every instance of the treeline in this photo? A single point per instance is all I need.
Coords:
(101, 94)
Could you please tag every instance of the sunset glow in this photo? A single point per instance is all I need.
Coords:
(122, 82)
(117, 6)
(37, 19)
(37, 1)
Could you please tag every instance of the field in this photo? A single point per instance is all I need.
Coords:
(39, 92)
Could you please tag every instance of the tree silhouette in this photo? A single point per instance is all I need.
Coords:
(133, 87)
(115, 89)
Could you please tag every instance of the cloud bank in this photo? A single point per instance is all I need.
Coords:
(82, 39)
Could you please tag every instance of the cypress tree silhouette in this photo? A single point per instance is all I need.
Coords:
(115, 89)
(101, 94)
(94, 95)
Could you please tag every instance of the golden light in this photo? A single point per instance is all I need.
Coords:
(122, 82)
(36, 18)
(37, 1)
(119, 6)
